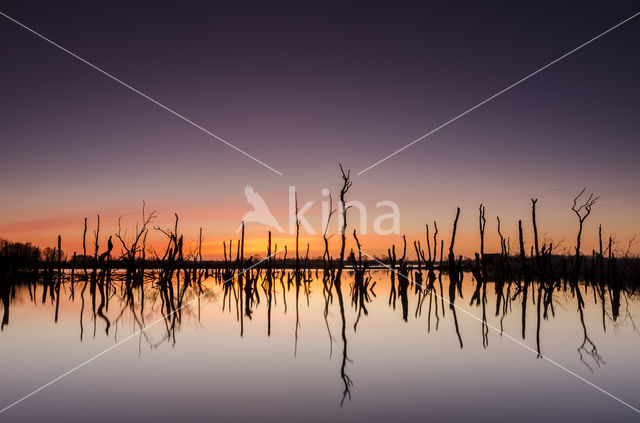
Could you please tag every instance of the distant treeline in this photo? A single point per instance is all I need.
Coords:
(26, 257)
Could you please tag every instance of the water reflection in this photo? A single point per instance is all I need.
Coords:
(175, 298)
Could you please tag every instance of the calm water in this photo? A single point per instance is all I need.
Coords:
(283, 354)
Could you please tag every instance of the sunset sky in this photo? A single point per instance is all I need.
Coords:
(302, 88)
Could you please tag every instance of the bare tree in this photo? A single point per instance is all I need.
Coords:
(297, 236)
(482, 223)
(135, 249)
(534, 201)
(326, 257)
(346, 184)
(452, 258)
(582, 210)
(435, 242)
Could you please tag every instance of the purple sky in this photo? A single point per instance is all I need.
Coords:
(303, 87)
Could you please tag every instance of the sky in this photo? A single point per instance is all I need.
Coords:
(303, 87)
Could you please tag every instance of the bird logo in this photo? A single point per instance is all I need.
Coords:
(260, 212)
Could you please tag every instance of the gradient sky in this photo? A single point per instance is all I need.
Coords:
(303, 87)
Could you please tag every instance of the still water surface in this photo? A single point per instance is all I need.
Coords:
(283, 354)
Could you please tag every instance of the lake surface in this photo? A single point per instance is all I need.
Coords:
(292, 353)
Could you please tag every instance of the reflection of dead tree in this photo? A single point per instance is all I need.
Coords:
(103, 282)
(139, 322)
(485, 325)
(84, 287)
(298, 277)
(431, 301)
(326, 293)
(348, 383)
(403, 278)
(269, 282)
(587, 347)
(171, 299)
(524, 290)
(424, 289)
(538, 322)
(5, 293)
(452, 299)
(629, 316)
(360, 291)
(480, 297)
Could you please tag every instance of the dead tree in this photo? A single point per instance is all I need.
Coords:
(482, 222)
(84, 249)
(169, 264)
(241, 245)
(452, 258)
(297, 235)
(504, 253)
(582, 210)
(402, 266)
(59, 258)
(428, 242)
(534, 201)
(96, 236)
(523, 257)
(435, 243)
(421, 259)
(326, 257)
(346, 184)
(134, 250)
(360, 265)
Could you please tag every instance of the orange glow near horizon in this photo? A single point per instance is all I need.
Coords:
(466, 244)
(220, 221)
